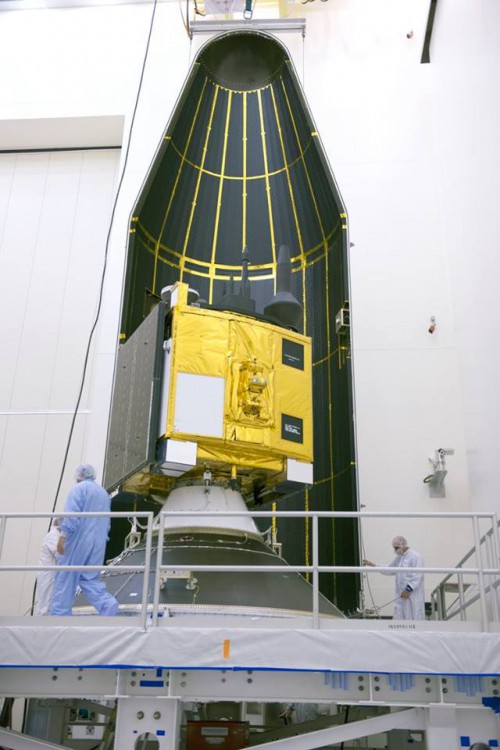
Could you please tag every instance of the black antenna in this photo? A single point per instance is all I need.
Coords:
(284, 306)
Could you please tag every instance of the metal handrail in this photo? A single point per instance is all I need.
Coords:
(145, 567)
(489, 541)
(481, 573)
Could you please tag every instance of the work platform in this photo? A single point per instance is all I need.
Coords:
(447, 674)
(152, 665)
(356, 660)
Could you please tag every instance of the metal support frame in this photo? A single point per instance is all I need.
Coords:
(440, 729)
(18, 741)
(159, 718)
(488, 587)
(414, 718)
(137, 718)
(315, 546)
(482, 594)
(278, 25)
(262, 686)
(447, 728)
(149, 702)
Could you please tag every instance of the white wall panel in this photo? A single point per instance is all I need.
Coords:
(467, 124)
(56, 210)
(6, 178)
(45, 286)
(409, 406)
(398, 262)
(25, 202)
(55, 51)
(84, 272)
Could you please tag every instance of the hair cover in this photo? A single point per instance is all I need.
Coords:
(399, 541)
(84, 471)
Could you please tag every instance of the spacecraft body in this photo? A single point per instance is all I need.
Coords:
(222, 391)
(240, 388)
(229, 415)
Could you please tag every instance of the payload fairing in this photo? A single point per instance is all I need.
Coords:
(208, 379)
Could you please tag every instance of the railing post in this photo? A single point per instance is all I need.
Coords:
(496, 540)
(159, 560)
(436, 606)
(3, 524)
(490, 584)
(315, 556)
(433, 604)
(496, 557)
(442, 602)
(147, 570)
(461, 597)
(479, 560)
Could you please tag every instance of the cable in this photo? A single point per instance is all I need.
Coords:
(387, 603)
(185, 20)
(366, 576)
(103, 275)
(106, 251)
(304, 59)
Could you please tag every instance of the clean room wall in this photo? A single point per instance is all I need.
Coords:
(415, 154)
(82, 68)
(54, 216)
(467, 124)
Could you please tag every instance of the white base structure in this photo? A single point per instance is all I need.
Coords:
(131, 682)
(439, 681)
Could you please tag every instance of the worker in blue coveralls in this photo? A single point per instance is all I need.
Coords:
(83, 542)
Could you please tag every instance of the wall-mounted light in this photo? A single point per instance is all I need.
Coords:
(436, 479)
(343, 319)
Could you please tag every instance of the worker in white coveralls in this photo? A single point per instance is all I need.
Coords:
(45, 578)
(410, 597)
